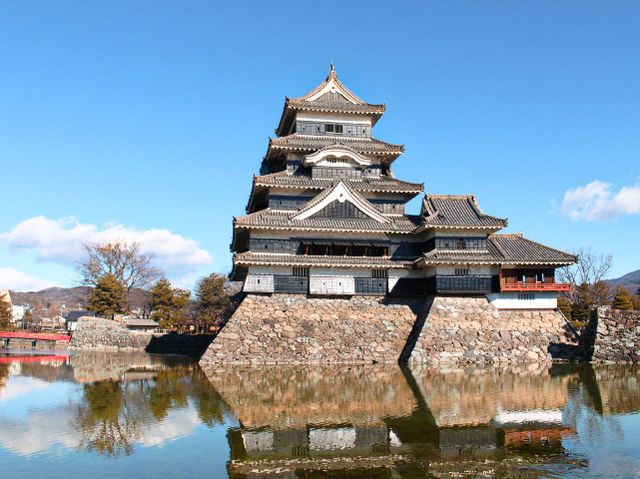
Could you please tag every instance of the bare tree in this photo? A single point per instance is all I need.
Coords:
(120, 259)
(588, 273)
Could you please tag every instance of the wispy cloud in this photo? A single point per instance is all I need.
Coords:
(61, 241)
(597, 202)
(11, 278)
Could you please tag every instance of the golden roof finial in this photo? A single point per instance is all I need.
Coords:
(332, 73)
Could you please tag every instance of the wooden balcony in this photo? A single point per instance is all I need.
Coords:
(535, 286)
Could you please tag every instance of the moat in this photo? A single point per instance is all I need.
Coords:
(136, 415)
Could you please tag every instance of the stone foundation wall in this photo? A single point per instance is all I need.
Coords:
(471, 330)
(613, 335)
(107, 335)
(284, 328)
(287, 328)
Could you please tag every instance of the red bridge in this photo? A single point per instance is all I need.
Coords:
(44, 336)
(24, 340)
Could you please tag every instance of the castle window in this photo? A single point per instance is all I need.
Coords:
(526, 296)
(301, 271)
(379, 273)
(462, 271)
(338, 128)
(328, 128)
(461, 244)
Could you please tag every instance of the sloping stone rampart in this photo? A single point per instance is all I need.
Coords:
(103, 334)
(106, 334)
(471, 330)
(285, 328)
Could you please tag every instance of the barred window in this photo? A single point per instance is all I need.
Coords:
(462, 271)
(526, 296)
(300, 271)
(379, 273)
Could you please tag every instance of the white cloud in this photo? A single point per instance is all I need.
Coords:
(61, 241)
(11, 278)
(596, 201)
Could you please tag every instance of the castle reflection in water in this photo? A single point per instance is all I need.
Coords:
(344, 421)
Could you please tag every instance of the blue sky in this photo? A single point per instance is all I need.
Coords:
(146, 120)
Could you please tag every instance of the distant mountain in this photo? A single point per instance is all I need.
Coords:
(631, 281)
(72, 298)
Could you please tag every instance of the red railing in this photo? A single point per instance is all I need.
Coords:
(537, 286)
(47, 336)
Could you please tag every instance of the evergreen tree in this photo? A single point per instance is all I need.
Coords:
(169, 305)
(108, 297)
(213, 293)
(622, 299)
(565, 307)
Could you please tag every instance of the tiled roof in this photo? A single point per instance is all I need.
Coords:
(455, 257)
(366, 146)
(337, 96)
(313, 260)
(515, 248)
(457, 211)
(334, 106)
(269, 219)
(379, 183)
(502, 249)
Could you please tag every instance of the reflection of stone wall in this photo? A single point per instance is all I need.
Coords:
(293, 328)
(92, 366)
(465, 397)
(471, 330)
(619, 388)
(295, 396)
(614, 335)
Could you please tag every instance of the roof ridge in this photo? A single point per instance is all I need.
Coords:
(341, 88)
(460, 197)
(352, 139)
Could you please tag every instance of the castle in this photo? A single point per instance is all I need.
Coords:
(326, 219)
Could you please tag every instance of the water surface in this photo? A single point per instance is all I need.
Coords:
(135, 415)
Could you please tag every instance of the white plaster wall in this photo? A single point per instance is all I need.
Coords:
(342, 272)
(331, 439)
(329, 285)
(333, 117)
(270, 270)
(258, 283)
(461, 232)
(272, 234)
(473, 269)
(509, 300)
(396, 274)
(257, 441)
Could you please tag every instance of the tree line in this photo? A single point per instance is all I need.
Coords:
(114, 269)
(590, 291)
